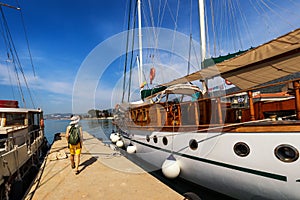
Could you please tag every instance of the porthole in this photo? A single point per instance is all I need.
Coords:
(286, 153)
(241, 149)
(193, 144)
(148, 138)
(155, 139)
(165, 140)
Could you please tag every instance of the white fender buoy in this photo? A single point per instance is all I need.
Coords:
(115, 138)
(111, 136)
(170, 167)
(120, 143)
(131, 149)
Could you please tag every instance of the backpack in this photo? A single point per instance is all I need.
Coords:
(74, 137)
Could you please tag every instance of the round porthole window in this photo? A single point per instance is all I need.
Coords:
(193, 144)
(286, 153)
(165, 140)
(241, 149)
(148, 138)
(155, 139)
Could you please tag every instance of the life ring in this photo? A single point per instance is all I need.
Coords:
(228, 82)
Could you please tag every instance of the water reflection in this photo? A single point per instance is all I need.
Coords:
(99, 128)
(55, 126)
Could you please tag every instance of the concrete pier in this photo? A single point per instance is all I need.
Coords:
(104, 174)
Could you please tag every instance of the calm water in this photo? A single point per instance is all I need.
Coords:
(101, 129)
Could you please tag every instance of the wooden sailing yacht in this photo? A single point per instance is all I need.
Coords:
(244, 144)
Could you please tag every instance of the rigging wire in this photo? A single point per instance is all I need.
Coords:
(296, 4)
(7, 60)
(160, 18)
(10, 80)
(132, 48)
(146, 24)
(196, 54)
(175, 29)
(275, 13)
(126, 55)
(213, 26)
(16, 60)
(260, 14)
(155, 33)
(9, 47)
(26, 37)
(125, 24)
(190, 44)
(231, 18)
(220, 31)
(246, 24)
(263, 9)
(233, 30)
(236, 26)
(159, 9)
(171, 14)
(151, 13)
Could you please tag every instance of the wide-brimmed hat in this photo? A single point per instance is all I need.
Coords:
(75, 120)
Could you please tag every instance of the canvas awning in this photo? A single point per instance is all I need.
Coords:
(275, 59)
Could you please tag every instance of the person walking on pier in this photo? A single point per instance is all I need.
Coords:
(74, 137)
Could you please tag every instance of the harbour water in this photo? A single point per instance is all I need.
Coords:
(99, 128)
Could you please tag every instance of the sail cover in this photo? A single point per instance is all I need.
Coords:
(275, 59)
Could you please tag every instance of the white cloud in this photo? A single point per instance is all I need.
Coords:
(9, 77)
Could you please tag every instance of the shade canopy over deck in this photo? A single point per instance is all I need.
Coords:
(270, 61)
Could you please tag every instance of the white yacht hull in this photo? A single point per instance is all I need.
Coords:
(215, 165)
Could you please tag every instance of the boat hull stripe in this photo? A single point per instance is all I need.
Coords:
(243, 169)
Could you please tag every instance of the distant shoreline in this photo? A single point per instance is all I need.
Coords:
(92, 118)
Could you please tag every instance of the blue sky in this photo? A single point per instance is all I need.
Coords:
(65, 35)
(61, 34)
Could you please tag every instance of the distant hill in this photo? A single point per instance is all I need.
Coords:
(58, 116)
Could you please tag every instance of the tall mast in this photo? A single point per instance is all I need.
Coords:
(140, 43)
(202, 31)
